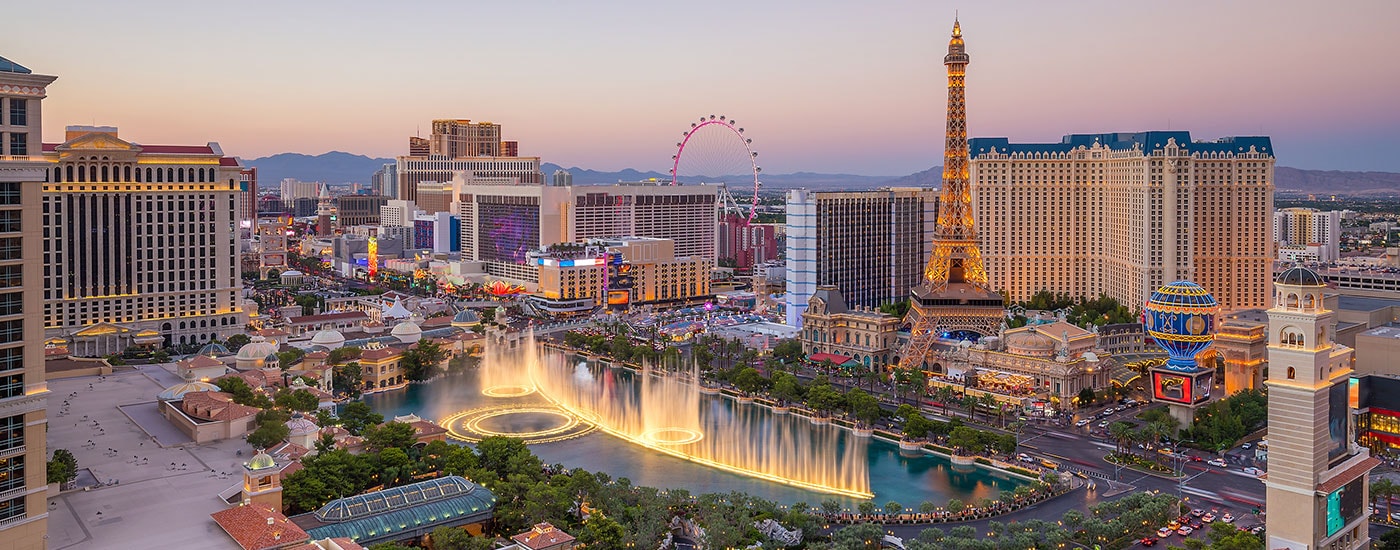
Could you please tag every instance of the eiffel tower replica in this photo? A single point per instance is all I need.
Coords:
(954, 295)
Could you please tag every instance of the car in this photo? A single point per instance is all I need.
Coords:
(1023, 457)
(1257, 529)
(1198, 512)
(1227, 518)
(1256, 472)
(1185, 530)
(1196, 459)
(1208, 518)
(1049, 464)
(1164, 532)
(1195, 524)
(1217, 462)
(1082, 423)
(1147, 541)
(1246, 446)
(1103, 424)
(1080, 475)
(1173, 525)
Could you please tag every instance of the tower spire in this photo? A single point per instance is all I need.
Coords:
(954, 295)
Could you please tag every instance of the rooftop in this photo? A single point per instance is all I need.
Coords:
(1362, 303)
(542, 535)
(1146, 141)
(390, 513)
(259, 527)
(12, 67)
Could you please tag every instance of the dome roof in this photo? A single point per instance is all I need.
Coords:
(261, 461)
(1181, 294)
(259, 348)
(178, 391)
(300, 425)
(467, 318)
(407, 332)
(1030, 342)
(1300, 276)
(213, 350)
(292, 273)
(330, 338)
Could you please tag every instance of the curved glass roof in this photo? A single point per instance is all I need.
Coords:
(407, 496)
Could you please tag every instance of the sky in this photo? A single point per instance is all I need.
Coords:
(820, 86)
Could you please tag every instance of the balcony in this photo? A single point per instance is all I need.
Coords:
(13, 451)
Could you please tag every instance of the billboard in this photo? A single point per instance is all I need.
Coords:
(1172, 387)
(1344, 505)
(1338, 399)
(1202, 385)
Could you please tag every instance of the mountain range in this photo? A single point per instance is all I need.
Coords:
(338, 168)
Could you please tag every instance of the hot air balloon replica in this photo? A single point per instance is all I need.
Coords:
(1180, 317)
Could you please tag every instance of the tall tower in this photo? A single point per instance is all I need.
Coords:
(1317, 487)
(262, 481)
(954, 295)
(323, 211)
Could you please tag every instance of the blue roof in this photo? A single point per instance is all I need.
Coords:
(1147, 141)
(401, 512)
(8, 66)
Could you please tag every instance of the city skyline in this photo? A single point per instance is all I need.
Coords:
(613, 87)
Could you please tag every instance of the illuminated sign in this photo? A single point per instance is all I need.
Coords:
(1344, 505)
(581, 262)
(1337, 409)
(1169, 387)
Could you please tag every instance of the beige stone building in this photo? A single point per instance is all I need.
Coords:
(23, 392)
(1316, 486)
(1052, 361)
(830, 327)
(1123, 214)
(575, 278)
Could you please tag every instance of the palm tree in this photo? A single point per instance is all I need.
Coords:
(990, 402)
(946, 395)
(970, 402)
(1122, 433)
(1384, 488)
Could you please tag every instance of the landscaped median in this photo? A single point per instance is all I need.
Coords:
(1140, 464)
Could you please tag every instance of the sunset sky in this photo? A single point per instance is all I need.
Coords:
(849, 87)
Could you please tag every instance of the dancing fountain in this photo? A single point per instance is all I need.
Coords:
(665, 412)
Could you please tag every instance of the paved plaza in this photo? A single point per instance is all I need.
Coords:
(142, 494)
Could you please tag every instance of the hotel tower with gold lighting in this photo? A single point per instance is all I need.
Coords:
(954, 294)
(140, 243)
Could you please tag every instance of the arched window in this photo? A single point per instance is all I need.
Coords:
(181, 175)
(160, 176)
(70, 173)
(1292, 301)
(170, 175)
(191, 174)
(201, 175)
(148, 175)
(1308, 301)
(104, 173)
(1291, 373)
(57, 174)
(126, 172)
(82, 173)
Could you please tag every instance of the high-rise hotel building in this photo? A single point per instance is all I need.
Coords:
(23, 392)
(1123, 214)
(871, 245)
(139, 243)
(461, 147)
(501, 224)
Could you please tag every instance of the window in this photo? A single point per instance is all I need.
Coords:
(9, 221)
(9, 194)
(19, 112)
(11, 432)
(13, 508)
(11, 331)
(19, 144)
(11, 385)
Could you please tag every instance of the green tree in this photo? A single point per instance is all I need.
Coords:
(1389, 541)
(866, 507)
(945, 396)
(1086, 396)
(423, 360)
(602, 533)
(823, 399)
(268, 434)
(786, 388)
(749, 381)
(357, 416)
(863, 406)
(455, 538)
(63, 467)
(892, 508)
(1122, 433)
(236, 342)
(965, 439)
(830, 506)
(390, 546)
(970, 402)
(1382, 489)
(955, 506)
(347, 378)
(864, 536)
(789, 352)
(242, 393)
(390, 435)
(297, 400)
(342, 354)
(286, 359)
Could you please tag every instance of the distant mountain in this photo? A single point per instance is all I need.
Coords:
(338, 167)
(332, 167)
(1336, 182)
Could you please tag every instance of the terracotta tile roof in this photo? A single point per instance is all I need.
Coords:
(327, 317)
(270, 333)
(436, 322)
(228, 161)
(382, 353)
(317, 355)
(292, 468)
(543, 535)
(200, 362)
(259, 527)
(287, 450)
(1357, 470)
(424, 428)
(217, 406)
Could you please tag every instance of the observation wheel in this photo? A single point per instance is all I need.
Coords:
(715, 151)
